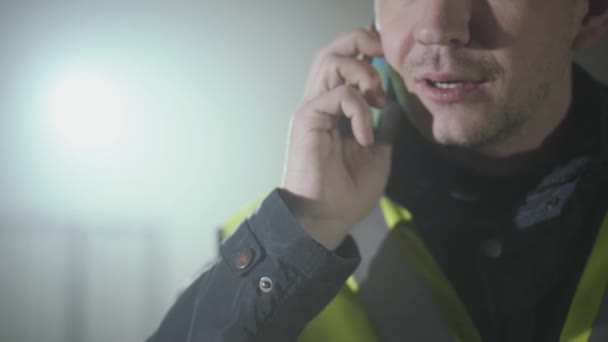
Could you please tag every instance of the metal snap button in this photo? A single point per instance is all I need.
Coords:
(266, 284)
(244, 258)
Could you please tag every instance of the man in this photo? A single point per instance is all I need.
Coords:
(501, 164)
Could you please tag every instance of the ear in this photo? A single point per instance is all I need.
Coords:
(594, 25)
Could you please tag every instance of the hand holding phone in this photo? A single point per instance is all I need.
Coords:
(333, 180)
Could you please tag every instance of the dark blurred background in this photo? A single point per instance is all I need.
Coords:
(129, 131)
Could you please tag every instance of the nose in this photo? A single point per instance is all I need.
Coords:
(443, 22)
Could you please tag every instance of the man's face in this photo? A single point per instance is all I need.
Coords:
(478, 72)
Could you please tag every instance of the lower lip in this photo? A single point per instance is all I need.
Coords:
(450, 95)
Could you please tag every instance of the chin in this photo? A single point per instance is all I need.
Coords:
(450, 139)
(461, 125)
(463, 132)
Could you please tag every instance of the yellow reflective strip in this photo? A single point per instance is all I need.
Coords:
(442, 291)
(343, 319)
(393, 213)
(590, 291)
(352, 284)
(446, 298)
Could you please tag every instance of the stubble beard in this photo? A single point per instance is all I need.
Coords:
(508, 122)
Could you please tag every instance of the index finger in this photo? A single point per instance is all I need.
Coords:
(361, 41)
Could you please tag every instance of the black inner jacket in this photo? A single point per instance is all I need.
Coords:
(514, 246)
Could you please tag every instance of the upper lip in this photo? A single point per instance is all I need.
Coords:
(448, 77)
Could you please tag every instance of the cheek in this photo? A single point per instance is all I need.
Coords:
(396, 27)
(540, 49)
(393, 51)
(397, 46)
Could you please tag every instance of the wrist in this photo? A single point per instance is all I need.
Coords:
(327, 231)
(329, 234)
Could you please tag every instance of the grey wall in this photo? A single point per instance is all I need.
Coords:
(95, 247)
(77, 283)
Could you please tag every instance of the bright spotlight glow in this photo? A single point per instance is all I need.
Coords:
(87, 112)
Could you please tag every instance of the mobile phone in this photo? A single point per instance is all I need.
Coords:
(387, 120)
(385, 72)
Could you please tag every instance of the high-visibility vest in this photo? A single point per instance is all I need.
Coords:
(427, 305)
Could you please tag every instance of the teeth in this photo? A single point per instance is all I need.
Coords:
(446, 85)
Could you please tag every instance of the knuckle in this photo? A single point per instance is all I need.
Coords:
(346, 90)
(329, 63)
(362, 73)
(345, 35)
(371, 77)
(328, 67)
(352, 96)
(302, 111)
(363, 33)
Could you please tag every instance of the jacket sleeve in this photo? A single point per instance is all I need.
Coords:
(271, 279)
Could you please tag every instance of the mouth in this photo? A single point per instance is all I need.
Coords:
(449, 87)
(449, 84)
